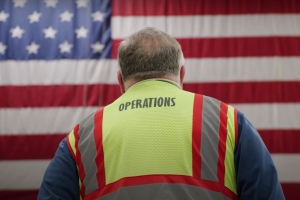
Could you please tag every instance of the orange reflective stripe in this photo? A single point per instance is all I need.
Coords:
(79, 162)
(196, 135)
(98, 135)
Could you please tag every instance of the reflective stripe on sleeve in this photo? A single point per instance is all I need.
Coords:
(222, 144)
(230, 175)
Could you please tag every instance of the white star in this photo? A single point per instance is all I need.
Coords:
(51, 3)
(2, 48)
(98, 16)
(17, 32)
(33, 48)
(82, 3)
(82, 32)
(97, 47)
(65, 47)
(66, 16)
(3, 16)
(19, 3)
(34, 17)
(50, 32)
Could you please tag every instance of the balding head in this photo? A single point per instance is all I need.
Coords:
(149, 53)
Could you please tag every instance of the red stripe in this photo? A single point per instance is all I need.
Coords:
(235, 126)
(291, 190)
(249, 92)
(234, 47)
(281, 141)
(229, 92)
(98, 120)
(81, 171)
(196, 135)
(152, 179)
(202, 7)
(222, 142)
(29, 147)
(57, 95)
(19, 194)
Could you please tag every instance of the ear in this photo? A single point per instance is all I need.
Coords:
(121, 83)
(182, 73)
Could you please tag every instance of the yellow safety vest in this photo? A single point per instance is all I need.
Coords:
(157, 142)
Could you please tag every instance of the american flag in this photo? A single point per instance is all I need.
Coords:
(58, 64)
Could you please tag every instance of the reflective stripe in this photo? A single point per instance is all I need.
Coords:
(71, 143)
(196, 138)
(98, 135)
(87, 148)
(230, 174)
(210, 139)
(164, 191)
(80, 168)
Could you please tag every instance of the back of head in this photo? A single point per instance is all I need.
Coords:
(149, 53)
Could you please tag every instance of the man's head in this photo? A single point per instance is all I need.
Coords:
(149, 53)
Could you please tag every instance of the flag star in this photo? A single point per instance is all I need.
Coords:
(50, 32)
(34, 17)
(17, 32)
(19, 3)
(65, 47)
(66, 16)
(82, 32)
(97, 47)
(51, 3)
(2, 48)
(3, 16)
(82, 3)
(33, 48)
(98, 16)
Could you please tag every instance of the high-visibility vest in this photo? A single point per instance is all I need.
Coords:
(157, 142)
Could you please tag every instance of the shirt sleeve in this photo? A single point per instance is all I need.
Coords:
(255, 171)
(61, 179)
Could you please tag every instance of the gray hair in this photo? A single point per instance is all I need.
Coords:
(149, 53)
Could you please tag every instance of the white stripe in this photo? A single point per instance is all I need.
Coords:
(105, 71)
(29, 174)
(42, 120)
(211, 25)
(272, 116)
(22, 174)
(288, 167)
(242, 69)
(42, 72)
(64, 119)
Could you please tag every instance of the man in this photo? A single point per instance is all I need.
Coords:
(159, 142)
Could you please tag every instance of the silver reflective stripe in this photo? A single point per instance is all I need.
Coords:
(164, 191)
(210, 138)
(87, 148)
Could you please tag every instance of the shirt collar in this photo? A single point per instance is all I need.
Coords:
(157, 79)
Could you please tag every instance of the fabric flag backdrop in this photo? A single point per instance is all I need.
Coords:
(58, 64)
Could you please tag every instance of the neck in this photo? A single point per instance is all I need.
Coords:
(131, 82)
